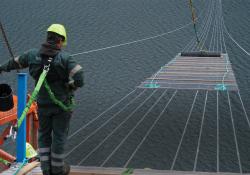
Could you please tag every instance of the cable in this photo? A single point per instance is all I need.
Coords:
(218, 132)
(94, 119)
(244, 109)
(132, 130)
(184, 131)
(235, 137)
(132, 42)
(110, 134)
(149, 130)
(230, 36)
(94, 132)
(201, 129)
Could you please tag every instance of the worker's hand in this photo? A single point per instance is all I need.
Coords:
(71, 86)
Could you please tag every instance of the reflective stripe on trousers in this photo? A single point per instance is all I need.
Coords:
(45, 157)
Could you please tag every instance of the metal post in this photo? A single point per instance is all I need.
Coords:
(21, 134)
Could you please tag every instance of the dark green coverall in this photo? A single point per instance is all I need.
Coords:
(64, 77)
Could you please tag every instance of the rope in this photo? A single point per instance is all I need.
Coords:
(150, 129)
(235, 137)
(132, 42)
(217, 133)
(244, 109)
(172, 61)
(192, 46)
(230, 36)
(210, 44)
(206, 28)
(137, 41)
(201, 129)
(221, 30)
(90, 135)
(217, 30)
(209, 24)
(107, 137)
(94, 119)
(184, 131)
(130, 132)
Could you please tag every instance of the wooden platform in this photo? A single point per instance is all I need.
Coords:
(80, 170)
(187, 72)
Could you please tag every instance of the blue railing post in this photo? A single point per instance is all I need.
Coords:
(21, 134)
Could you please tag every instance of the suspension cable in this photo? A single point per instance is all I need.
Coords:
(106, 122)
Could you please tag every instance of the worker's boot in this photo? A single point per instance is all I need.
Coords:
(66, 170)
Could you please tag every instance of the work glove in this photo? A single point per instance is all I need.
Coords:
(71, 85)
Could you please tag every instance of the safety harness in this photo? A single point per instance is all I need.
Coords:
(52, 96)
(42, 80)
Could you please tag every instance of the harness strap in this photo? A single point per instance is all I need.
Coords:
(58, 102)
(33, 95)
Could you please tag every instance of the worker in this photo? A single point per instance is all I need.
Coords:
(63, 78)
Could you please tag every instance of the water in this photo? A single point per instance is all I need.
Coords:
(113, 73)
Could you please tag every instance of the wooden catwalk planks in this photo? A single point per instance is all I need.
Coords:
(197, 70)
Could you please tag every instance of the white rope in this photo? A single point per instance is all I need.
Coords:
(218, 136)
(212, 33)
(209, 26)
(125, 138)
(109, 135)
(94, 119)
(230, 36)
(184, 132)
(223, 37)
(212, 38)
(136, 41)
(204, 29)
(244, 109)
(149, 131)
(94, 132)
(201, 128)
(235, 137)
(216, 27)
(220, 26)
(132, 42)
(226, 59)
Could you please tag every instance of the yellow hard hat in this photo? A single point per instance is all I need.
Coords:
(60, 30)
(30, 152)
